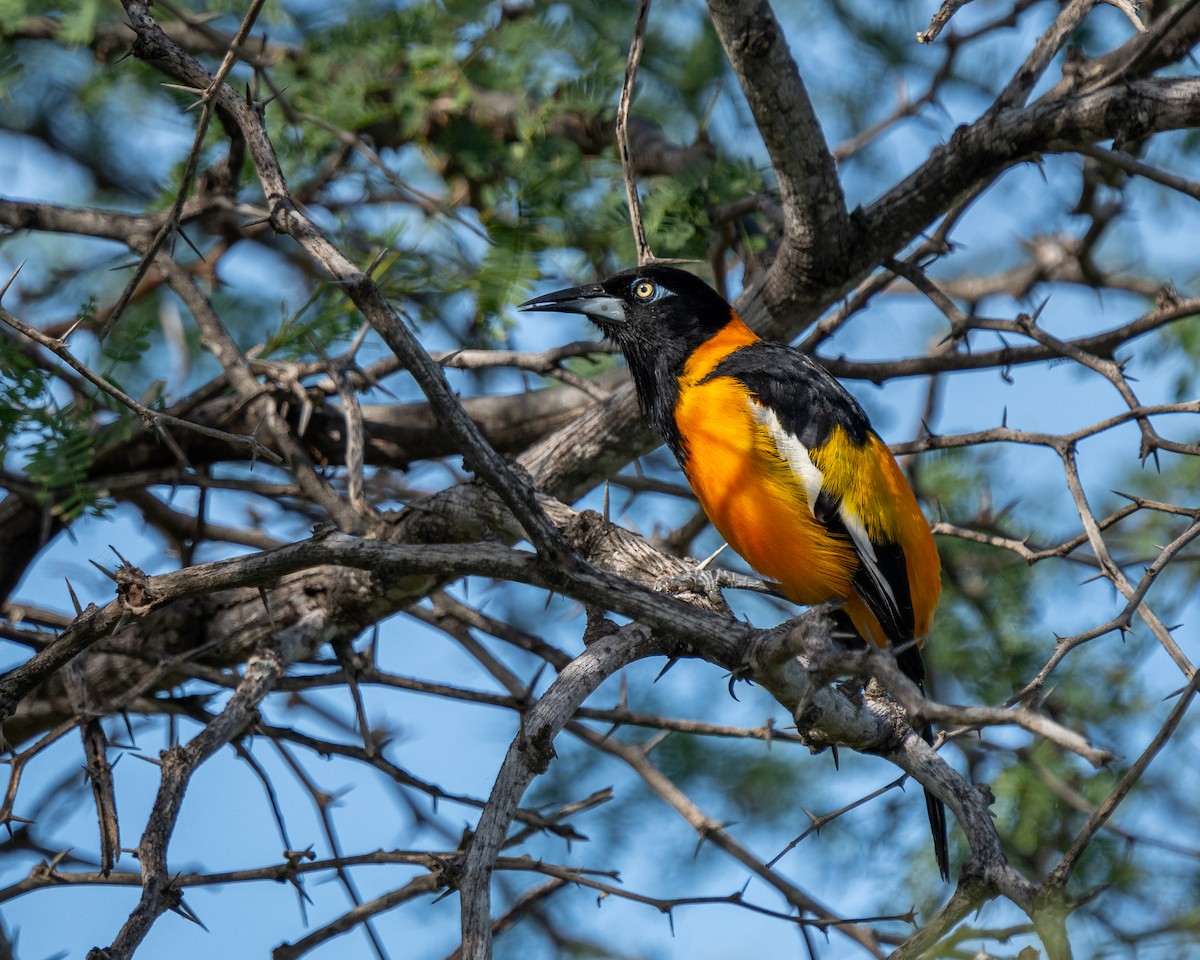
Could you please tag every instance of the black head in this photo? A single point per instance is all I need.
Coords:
(649, 304)
(657, 316)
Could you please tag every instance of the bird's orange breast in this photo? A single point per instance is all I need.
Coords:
(751, 495)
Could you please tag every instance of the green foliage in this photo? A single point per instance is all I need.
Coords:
(12, 12)
(761, 784)
(53, 443)
(506, 274)
(52, 446)
(58, 463)
(23, 385)
(128, 342)
(324, 321)
(449, 88)
(985, 635)
(492, 125)
(79, 24)
(1180, 344)
(10, 70)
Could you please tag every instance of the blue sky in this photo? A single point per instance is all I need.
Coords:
(460, 746)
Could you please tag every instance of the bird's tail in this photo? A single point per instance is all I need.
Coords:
(909, 660)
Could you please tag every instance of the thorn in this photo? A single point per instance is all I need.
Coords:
(654, 742)
(8, 283)
(119, 557)
(188, 914)
(266, 602)
(663, 671)
(704, 563)
(299, 887)
(837, 761)
(383, 251)
(120, 623)
(108, 573)
(188, 240)
(183, 88)
(534, 682)
(74, 599)
(70, 330)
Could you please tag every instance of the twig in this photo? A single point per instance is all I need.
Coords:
(59, 348)
(1123, 161)
(171, 224)
(159, 893)
(947, 10)
(529, 754)
(1048, 44)
(1062, 873)
(712, 831)
(636, 46)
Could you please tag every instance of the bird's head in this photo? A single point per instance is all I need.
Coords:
(644, 310)
(657, 316)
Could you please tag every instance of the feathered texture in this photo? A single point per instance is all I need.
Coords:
(781, 457)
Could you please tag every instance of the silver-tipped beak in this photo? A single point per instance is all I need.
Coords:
(592, 301)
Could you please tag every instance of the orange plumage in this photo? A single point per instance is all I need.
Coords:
(781, 457)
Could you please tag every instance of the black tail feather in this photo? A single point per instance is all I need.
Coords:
(937, 821)
(910, 662)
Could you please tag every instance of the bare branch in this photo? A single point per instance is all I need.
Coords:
(644, 255)
(816, 222)
(939, 20)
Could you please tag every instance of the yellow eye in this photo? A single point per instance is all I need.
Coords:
(643, 290)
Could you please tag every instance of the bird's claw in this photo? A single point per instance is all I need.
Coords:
(703, 583)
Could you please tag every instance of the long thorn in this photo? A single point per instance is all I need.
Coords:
(8, 283)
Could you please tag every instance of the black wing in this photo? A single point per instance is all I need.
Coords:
(809, 404)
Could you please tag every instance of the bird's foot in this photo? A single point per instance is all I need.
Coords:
(702, 583)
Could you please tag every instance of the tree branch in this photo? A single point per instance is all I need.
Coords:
(816, 223)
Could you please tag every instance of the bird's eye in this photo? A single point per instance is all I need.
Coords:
(644, 289)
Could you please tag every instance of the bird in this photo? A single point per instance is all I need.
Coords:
(781, 457)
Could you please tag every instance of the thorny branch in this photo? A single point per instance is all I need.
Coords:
(237, 625)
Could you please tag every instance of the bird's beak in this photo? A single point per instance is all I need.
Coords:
(592, 300)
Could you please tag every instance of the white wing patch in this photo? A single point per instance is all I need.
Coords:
(866, 552)
(793, 451)
(812, 479)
